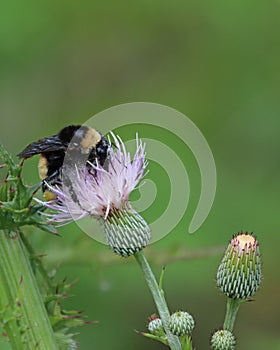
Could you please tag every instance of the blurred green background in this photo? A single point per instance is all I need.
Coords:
(218, 63)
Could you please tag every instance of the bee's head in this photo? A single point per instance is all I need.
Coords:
(102, 150)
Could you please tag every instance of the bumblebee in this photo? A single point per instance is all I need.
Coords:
(82, 144)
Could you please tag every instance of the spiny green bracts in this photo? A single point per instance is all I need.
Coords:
(181, 323)
(126, 232)
(155, 325)
(223, 340)
(239, 274)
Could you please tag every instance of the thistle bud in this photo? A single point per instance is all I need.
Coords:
(223, 340)
(126, 232)
(239, 274)
(155, 325)
(181, 323)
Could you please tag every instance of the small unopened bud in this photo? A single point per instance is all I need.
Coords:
(239, 274)
(181, 323)
(126, 232)
(223, 340)
(155, 325)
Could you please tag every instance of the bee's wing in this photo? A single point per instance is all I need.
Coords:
(48, 144)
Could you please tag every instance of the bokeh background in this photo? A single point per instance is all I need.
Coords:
(218, 63)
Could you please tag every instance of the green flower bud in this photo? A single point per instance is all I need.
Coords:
(155, 325)
(239, 274)
(126, 232)
(181, 323)
(223, 340)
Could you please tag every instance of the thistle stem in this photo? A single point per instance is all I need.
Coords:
(159, 299)
(23, 313)
(186, 343)
(231, 312)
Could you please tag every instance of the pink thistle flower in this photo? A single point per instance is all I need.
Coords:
(102, 192)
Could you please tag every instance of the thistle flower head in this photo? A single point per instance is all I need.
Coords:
(239, 274)
(103, 193)
(155, 325)
(223, 340)
(181, 323)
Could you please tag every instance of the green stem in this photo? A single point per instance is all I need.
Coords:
(186, 342)
(8, 317)
(159, 300)
(38, 261)
(232, 308)
(23, 313)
